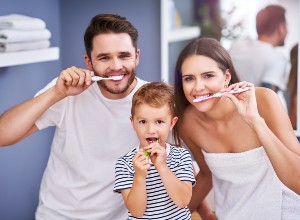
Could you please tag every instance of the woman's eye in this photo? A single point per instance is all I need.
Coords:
(188, 78)
(208, 75)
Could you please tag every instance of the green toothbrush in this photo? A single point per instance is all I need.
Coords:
(146, 152)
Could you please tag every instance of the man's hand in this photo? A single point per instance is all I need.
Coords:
(73, 81)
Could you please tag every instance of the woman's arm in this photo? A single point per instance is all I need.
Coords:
(276, 134)
(265, 114)
(203, 178)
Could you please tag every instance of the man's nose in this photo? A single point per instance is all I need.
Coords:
(116, 64)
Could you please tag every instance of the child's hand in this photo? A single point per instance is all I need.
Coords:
(141, 164)
(157, 153)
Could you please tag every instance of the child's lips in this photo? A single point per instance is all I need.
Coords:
(151, 140)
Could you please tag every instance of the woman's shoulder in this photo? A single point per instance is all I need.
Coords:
(265, 95)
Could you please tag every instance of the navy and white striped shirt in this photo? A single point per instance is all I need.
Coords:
(159, 204)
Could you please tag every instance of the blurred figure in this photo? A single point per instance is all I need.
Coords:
(292, 86)
(258, 61)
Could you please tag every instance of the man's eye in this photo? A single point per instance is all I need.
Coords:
(124, 56)
(104, 58)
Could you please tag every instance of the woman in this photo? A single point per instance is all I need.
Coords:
(243, 143)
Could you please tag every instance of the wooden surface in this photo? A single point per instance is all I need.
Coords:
(196, 216)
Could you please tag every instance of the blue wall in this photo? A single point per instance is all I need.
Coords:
(22, 165)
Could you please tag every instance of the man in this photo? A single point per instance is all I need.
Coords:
(92, 125)
(92, 122)
(258, 61)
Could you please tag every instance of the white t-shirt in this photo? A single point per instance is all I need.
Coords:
(92, 132)
(256, 62)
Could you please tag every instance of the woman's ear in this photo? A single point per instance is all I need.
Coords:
(227, 77)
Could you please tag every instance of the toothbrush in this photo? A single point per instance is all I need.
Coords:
(146, 152)
(97, 78)
(219, 94)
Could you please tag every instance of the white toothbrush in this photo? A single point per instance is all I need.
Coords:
(219, 94)
(97, 78)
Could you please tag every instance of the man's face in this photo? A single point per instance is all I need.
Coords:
(283, 32)
(114, 55)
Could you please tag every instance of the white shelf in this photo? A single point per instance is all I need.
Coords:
(167, 37)
(30, 56)
(183, 33)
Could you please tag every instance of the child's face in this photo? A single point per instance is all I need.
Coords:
(151, 123)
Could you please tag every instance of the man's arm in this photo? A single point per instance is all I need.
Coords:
(19, 121)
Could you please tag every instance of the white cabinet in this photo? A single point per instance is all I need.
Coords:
(29, 56)
(172, 36)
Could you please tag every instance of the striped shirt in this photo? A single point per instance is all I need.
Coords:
(159, 204)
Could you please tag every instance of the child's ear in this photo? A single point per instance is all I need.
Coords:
(131, 120)
(173, 122)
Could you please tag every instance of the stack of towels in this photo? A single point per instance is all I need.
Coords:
(20, 32)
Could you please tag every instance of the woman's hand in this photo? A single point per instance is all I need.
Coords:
(245, 102)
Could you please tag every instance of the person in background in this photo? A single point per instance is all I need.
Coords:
(155, 177)
(258, 61)
(292, 86)
(79, 177)
(243, 143)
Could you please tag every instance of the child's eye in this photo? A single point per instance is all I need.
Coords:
(142, 122)
(160, 122)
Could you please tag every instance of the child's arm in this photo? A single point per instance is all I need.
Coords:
(136, 198)
(179, 191)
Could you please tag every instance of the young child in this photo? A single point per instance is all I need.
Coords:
(155, 178)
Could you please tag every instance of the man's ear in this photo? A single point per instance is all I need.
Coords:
(88, 62)
(137, 56)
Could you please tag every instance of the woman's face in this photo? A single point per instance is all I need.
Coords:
(202, 77)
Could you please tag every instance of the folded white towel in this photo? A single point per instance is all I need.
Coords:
(21, 22)
(9, 36)
(20, 46)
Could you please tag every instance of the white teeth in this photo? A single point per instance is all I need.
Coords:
(202, 96)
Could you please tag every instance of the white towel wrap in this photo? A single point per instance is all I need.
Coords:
(247, 187)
